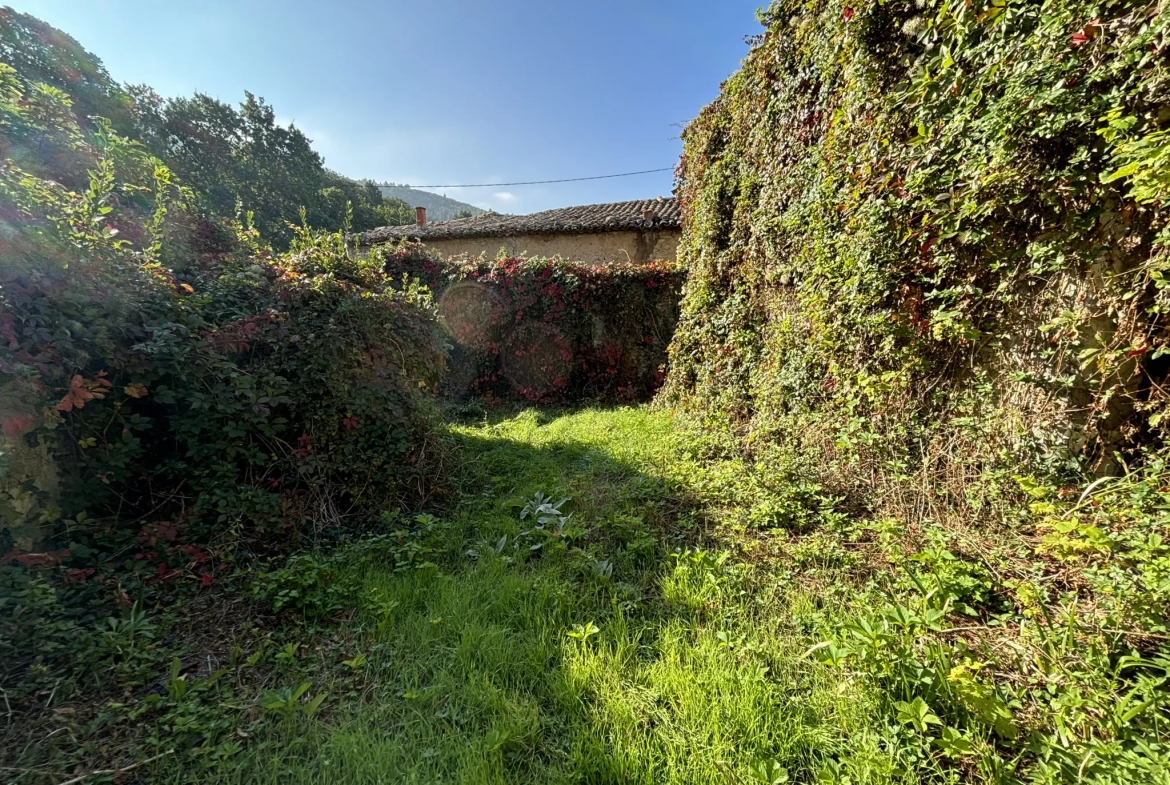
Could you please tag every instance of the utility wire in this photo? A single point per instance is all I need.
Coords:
(531, 182)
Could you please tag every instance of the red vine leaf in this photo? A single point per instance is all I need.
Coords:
(1086, 33)
(80, 391)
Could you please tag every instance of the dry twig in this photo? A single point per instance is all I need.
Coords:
(131, 767)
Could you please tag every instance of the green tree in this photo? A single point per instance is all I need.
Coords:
(227, 154)
(44, 55)
(393, 212)
(223, 153)
(370, 208)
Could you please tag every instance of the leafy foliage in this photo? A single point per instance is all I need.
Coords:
(223, 154)
(228, 155)
(927, 244)
(915, 217)
(46, 56)
(315, 587)
(163, 407)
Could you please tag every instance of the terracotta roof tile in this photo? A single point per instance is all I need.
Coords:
(588, 219)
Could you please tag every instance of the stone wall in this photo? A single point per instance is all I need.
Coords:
(596, 248)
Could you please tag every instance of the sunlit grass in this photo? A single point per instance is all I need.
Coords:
(475, 674)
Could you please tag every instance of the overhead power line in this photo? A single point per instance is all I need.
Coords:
(533, 182)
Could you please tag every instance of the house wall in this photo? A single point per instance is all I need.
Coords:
(598, 248)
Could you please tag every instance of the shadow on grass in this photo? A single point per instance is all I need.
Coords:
(595, 647)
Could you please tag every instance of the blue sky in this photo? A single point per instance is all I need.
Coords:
(444, 91)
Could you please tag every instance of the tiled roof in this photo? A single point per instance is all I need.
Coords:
(589, 219)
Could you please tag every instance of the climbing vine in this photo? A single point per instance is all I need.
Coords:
(927, 245)
(908, 210)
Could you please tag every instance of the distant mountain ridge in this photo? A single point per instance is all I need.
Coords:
(439, 208)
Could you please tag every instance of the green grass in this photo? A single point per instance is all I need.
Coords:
(476, 674)
(694, 619)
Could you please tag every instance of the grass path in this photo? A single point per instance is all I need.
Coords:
(615, 646)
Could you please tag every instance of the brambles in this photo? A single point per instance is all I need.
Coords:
(167, 407)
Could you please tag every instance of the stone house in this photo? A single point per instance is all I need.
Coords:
(638, 231)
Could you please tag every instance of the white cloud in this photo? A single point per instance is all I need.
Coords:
(504, 196)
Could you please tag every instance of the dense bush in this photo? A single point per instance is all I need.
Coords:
(170, 391)
(928, 250)
(549, 330)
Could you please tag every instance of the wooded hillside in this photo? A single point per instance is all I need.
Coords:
(233, 160)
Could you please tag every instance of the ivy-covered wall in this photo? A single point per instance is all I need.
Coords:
(545, 329)
(930, 237)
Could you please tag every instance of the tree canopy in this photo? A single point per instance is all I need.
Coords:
(230, 157)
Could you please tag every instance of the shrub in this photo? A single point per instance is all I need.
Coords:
(164, 402)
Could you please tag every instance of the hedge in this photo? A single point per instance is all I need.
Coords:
(175, 398)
